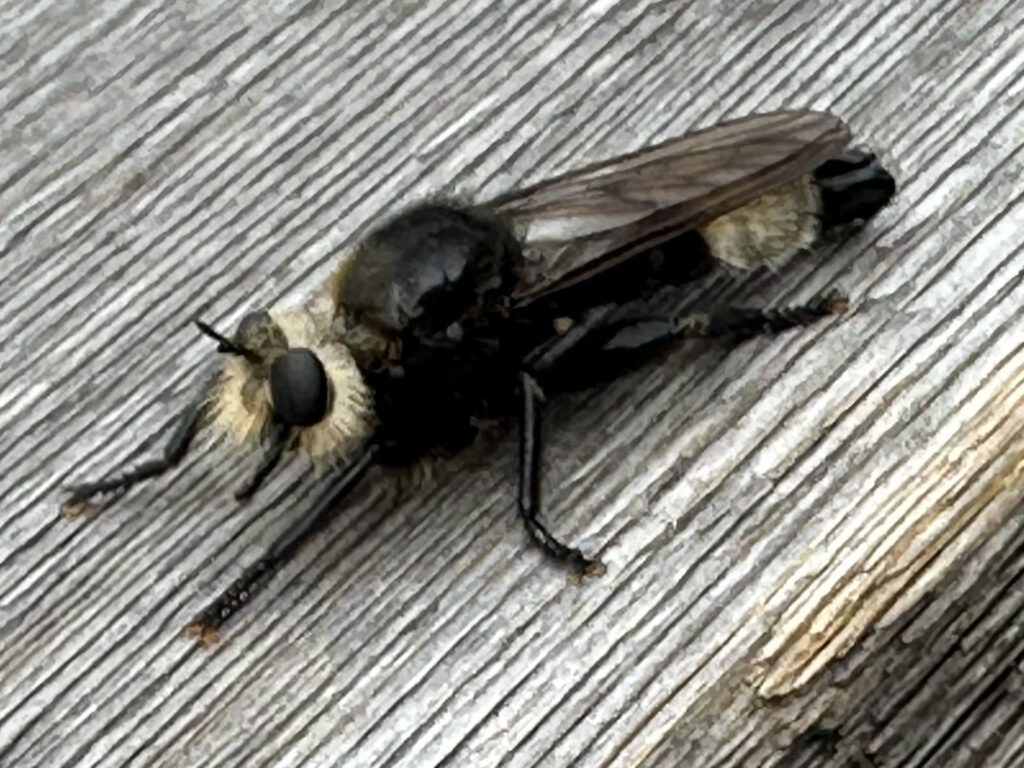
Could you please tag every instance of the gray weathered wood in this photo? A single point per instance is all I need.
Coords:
(815, 531)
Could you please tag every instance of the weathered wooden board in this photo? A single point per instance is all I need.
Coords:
(814, 542)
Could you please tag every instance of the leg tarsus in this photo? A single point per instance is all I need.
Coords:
(189, 423)
(529, 499)
(205, 627)
(746, 323)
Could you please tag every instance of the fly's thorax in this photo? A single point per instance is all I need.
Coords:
(243, 403)
(420, 272)
(371, 346)
(768, 231)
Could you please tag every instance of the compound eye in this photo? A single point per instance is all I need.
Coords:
(299, 389)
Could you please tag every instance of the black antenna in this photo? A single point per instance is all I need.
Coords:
(225, 345)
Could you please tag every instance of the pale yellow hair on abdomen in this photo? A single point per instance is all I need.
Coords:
(768, 231)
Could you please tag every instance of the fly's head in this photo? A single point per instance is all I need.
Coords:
(278, 369)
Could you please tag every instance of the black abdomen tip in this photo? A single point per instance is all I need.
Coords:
(852, 190)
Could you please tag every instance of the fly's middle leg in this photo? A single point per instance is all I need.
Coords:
(530, 476)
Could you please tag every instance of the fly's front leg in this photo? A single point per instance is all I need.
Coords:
(530, 485)
(192, 419)
(206, 626)
(277, 441)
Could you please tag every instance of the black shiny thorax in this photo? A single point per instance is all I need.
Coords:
(432, 266)
(427, 308)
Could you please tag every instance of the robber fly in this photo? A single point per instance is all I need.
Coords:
(449, 314)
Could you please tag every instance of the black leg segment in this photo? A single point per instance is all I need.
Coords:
(277, 441)
(205, 627)
(189, 423)
(601, 350)
(530, 486)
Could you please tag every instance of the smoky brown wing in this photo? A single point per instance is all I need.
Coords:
(591, 219)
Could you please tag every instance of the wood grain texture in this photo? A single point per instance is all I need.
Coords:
(814, 542)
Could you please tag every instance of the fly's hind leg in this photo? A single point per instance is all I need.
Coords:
(599, 350)
(745, 323)
(194, 416)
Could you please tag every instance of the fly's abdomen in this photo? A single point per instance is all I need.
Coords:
(776, 226)
(768, 231)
